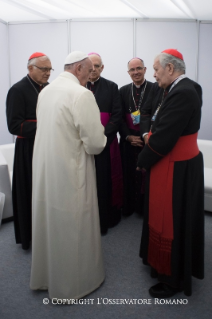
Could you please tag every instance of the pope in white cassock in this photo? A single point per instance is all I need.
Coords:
(66, 243)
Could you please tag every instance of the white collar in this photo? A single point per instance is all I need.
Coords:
(138, 86)
(177, 80)
(94, 81)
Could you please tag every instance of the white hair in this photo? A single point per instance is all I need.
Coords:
(165, 58)
(33, 61)
(97, 56)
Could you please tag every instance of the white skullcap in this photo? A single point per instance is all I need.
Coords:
(75, 56)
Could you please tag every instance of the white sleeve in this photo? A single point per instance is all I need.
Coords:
(86, 117)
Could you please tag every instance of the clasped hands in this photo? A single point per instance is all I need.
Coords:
(136, 141)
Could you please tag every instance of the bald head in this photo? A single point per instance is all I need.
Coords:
(136, 70)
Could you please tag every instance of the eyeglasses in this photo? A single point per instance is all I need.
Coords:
(44, 70)
(139, 68)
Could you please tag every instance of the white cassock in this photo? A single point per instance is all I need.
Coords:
(66, 242)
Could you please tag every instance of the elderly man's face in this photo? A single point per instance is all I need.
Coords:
(84, 71)
(40, 70)
(97, 67)
(136, 71)
(162, 76)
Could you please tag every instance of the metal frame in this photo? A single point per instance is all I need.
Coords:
(166, 20)
(37, 21)
(69, 36)
(205, 21)
(134, 37)
(9, 68)
(197, 52)
(8, 49)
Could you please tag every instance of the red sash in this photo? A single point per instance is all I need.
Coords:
(160, 203)
(22, 126)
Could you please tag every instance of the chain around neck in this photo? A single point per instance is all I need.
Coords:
(30, 81)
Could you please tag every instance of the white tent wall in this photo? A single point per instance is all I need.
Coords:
(117, 41)
(24, 39)
(179, 35)
(204, 78)
(5, 136)
(113, 40)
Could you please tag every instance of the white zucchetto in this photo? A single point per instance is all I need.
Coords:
(75, 56)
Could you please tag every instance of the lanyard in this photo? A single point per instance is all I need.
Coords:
(158, 108)
(140, 100)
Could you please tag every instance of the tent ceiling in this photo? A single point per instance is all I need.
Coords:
(37, 10)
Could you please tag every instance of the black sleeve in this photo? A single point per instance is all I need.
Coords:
(148, 109)
(112, 126)
(174, 117)
(123, 130)
(16, 114)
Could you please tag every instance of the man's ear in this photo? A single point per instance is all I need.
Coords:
(102, 67)
(78, 68)
(170, 68)
(30, 67)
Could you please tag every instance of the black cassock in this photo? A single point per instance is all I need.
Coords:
(133, 180)
(21, 120)
(179, 116)
(108, 163)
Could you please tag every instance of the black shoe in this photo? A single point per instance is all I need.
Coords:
(153, 273)
(104, 232)
(162, 290)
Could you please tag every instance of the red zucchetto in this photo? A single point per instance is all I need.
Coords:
(174, 52)
(36, 55)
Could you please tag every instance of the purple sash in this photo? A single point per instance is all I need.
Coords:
(116, 167)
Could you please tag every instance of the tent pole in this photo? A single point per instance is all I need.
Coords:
(134, 37)
(197, 55)
(9, 68)
(69, 36)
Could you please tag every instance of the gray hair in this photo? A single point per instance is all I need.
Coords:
(96, 54)
(165, 58)
(32, 61)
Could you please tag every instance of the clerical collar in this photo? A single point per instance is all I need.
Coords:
(177, 80)
(138, 86)
(94, 81)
